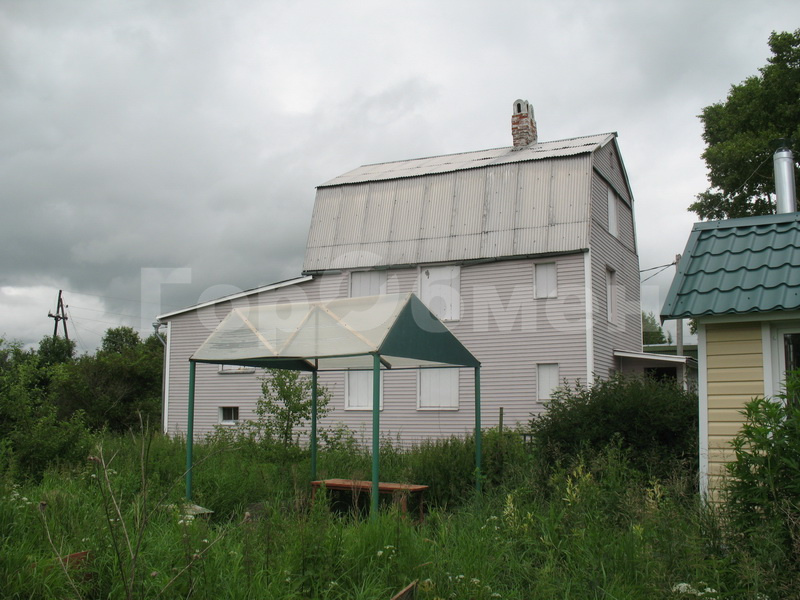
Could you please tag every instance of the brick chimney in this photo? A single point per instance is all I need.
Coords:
(523, 125)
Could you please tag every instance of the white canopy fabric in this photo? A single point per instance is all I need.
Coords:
(336, 335)
(392, 331)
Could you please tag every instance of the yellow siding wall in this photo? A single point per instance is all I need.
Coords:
(735, 375)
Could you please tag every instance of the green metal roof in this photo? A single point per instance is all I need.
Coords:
(738, 266)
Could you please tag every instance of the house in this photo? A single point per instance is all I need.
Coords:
(740, 280)
(527, 253)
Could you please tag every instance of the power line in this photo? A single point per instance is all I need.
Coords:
(665, 267)
(658, 267)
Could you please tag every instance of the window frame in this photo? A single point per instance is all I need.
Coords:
(612, 300)
(221, 415)
(235, 369)
(455, 287)
(613, 212)
(449, 408)
(347, 405)
(554, 291)
(539, 380)
(382, 284)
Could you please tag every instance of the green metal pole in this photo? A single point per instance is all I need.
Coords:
(478, 429)
(376, 433)
(190, 432)
(313, 425)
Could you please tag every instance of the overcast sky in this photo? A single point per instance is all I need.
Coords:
(172, 148)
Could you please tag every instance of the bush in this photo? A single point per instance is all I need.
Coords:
(763, 490)
(655, 420)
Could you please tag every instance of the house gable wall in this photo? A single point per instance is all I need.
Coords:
(617, 253)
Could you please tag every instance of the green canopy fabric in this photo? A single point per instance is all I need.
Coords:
(391, 331)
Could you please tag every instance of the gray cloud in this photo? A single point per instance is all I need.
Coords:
(185, 134)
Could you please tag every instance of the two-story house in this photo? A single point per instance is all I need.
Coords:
(527, 253)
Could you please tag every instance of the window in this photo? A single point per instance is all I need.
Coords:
(358, 390)
(228, 415)
(545, 281)
(790, 358)
(367, 283)
(611, 295)
(438, 389)
(236, 369)
(440, 290)
(546, 380)
(612, 212)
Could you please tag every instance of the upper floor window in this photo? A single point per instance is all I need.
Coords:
(367, 283)
(613, 228)
(545, 280)
(611, 295)
(440, 290)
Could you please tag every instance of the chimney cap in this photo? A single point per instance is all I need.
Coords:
(521, 107)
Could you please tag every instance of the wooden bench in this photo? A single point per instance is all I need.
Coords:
(357, 486)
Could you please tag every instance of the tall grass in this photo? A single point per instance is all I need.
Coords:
(592, 527)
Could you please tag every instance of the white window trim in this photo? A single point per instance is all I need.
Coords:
(538, 383)
(455, 408)
(235, 369)
(536, 294)
(613, 213)
(347, 393)
(228, 422)
(420, 269)
(612, 295)
(774, 358)
(382, 288)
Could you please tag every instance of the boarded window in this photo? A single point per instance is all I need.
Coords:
(438, 388)
(440, 290)
(613, 228)
(367, 283)
(611, 295)
(546, 379)
(359, 390)
(545, 280)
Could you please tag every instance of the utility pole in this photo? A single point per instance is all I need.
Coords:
(60, 317)
(679, 322)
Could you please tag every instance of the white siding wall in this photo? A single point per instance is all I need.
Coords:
(619, 254)
(501, 323)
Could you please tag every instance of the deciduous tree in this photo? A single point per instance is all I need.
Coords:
(740, 135)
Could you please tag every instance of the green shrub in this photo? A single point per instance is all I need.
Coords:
(762, 492)
(655, 420)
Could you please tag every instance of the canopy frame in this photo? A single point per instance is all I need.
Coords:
(409, 332)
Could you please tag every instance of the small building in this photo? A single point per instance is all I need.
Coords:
(740, 280)
(527, 253)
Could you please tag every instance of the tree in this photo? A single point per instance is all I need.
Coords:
(286, 404)
(113, 387)
(119, 339)
(652, 332)
(740, 135)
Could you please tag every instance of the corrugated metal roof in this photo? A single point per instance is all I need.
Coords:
(505, 209)
(738, 266)
(471, 160)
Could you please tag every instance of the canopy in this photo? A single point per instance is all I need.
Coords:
(392, 331)
(336, 335)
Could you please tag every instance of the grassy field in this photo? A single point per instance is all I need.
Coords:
(592, 528)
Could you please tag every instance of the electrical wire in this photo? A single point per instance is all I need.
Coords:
(658, 267)
(657, 273)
